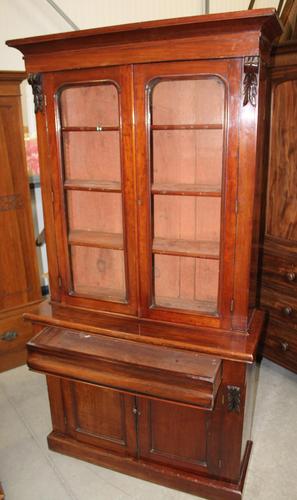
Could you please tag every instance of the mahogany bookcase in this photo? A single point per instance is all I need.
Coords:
(150, 141)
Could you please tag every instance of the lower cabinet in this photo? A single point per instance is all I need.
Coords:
(137, 426)
(170, 416)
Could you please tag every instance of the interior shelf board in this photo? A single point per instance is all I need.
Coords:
(98, 239)
(90, 129)
(97, 292)
(186, 189)
(194, 126)
(187, 248)
(204, 306)
(91, 185)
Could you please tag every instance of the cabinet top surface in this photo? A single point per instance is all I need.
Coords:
(258, 19)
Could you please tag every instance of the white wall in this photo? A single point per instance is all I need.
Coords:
(230, 5)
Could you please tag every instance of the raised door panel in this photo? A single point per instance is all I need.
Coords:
(19, 281)
(172, 434)
(93, 187)
(101, 417)
(185, 140)
(281, 219)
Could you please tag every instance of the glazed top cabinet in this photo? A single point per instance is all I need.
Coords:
(151, 192)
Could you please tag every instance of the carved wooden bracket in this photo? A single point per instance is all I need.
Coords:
(10, 202)
(250, 82)
(233, 398)
(35, 81)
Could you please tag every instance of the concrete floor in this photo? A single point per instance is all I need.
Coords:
(29, 471)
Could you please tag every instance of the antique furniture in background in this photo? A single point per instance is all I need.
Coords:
(19, 278)
(279, 275)
(150, 141)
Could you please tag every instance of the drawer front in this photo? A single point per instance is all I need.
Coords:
(281, 345)
(14, 334)
(280, 306)
(280, 273)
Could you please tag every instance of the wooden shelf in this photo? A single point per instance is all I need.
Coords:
(90, 129)
(90, 185)
(209, 307)
(197, 126)
(187, 248)
(186, 189)
(96, 239)
(109, 294)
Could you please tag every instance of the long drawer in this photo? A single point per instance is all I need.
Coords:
(132, 367)
(281, 345)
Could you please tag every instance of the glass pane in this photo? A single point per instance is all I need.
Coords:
(189, 101)
(90, 106)
(95, 211)
(188, 218)
(92, 182)
(92, 156)
(188, 157)
(186, 283)
(98, 273)
(187, 144)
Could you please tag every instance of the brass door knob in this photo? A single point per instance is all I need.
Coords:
(287, 311)
(290, 276)
(284, 346)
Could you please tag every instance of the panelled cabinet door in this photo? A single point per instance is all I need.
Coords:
(101, 417)
(162, 436)
(91, 120)
(186, 156)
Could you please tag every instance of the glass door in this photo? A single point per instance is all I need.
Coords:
(186, 116)
(94, 121)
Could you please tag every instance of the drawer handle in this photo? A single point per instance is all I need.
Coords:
(9, 335)
(284, 346)
(287, 311)
(290, 276)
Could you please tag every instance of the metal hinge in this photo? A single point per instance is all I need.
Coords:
(52, 195)
(233, 398)
(59, 281)
(236, 207)
(220, 464)
(232, 305)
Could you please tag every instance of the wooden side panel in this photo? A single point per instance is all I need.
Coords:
(19, 280)
(281, 219)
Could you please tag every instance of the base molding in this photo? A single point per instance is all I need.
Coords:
(212, 489)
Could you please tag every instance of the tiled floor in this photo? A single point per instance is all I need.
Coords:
(29, 471)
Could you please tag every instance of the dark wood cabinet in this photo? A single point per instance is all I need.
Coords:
(19, 277)
(152, 206)
(279, 270)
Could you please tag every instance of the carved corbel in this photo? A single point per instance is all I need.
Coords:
(250, 82)
(35, 80)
